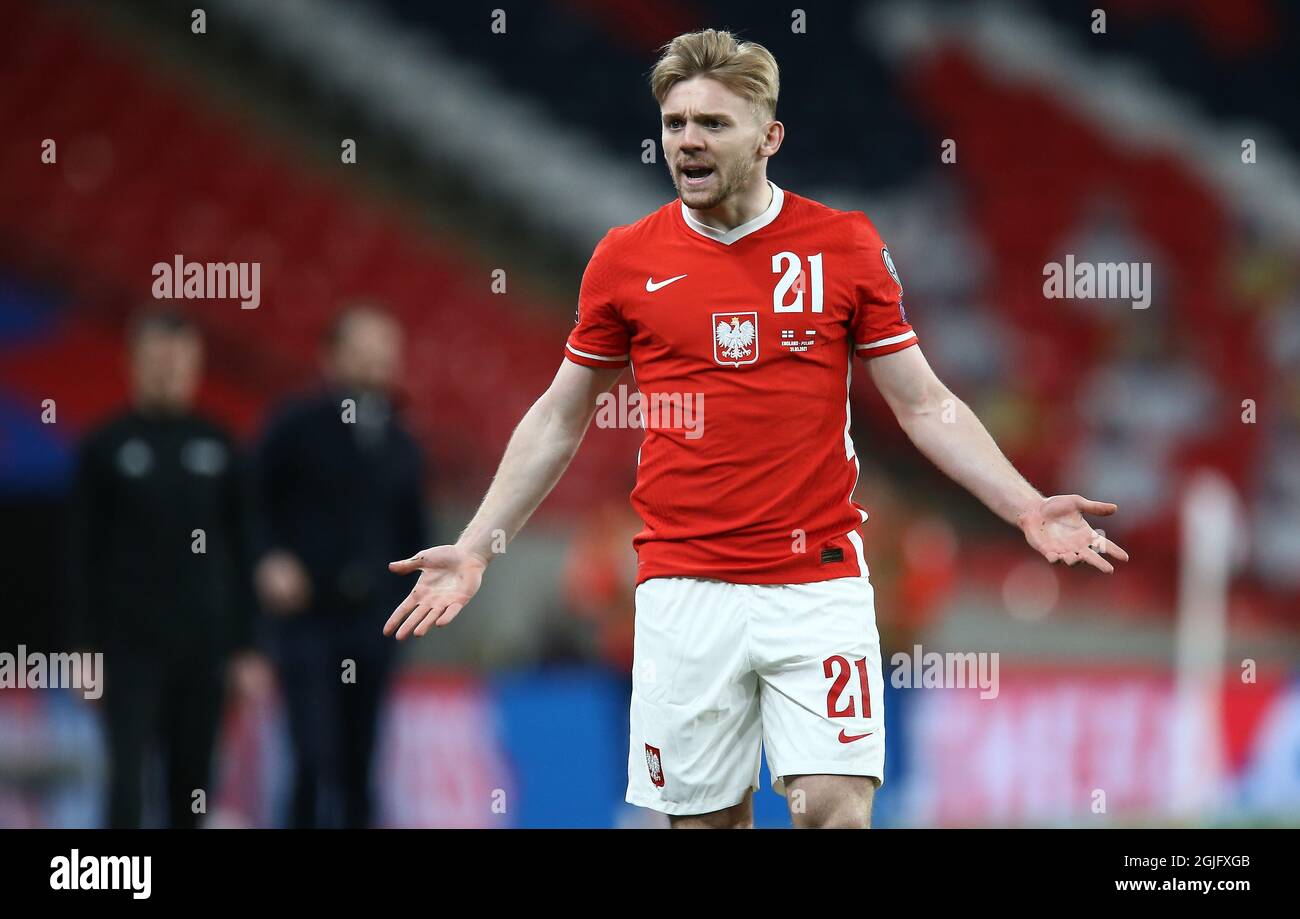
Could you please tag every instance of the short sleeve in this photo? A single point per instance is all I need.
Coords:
(879, 323)
(601, 337)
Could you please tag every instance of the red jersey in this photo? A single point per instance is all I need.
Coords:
(740, 345)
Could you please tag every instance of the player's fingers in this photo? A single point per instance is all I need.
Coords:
(404, 609)
(1096, 561)
(428, 618)
(1097, 508)
(417, 615)
(450, 614)
(405, 566)
(1105, 546)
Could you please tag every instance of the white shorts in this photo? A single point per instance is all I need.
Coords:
(720, 669)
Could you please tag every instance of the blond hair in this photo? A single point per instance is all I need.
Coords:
(744, 67)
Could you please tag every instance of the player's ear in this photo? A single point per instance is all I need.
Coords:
(771, 139)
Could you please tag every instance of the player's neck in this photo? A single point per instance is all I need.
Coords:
(739, 208)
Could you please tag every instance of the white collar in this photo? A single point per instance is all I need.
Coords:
(728, 237)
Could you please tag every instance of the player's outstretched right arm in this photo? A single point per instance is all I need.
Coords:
(538, 453)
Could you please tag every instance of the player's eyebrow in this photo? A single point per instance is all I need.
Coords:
(699, 116)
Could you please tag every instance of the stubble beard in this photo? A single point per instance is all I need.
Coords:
(731, 180)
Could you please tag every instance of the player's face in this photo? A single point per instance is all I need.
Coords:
(711, 140)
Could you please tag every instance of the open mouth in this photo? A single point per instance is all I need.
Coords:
(694, 175)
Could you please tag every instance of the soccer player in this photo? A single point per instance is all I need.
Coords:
(739, 310)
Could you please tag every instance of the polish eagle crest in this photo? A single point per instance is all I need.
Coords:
(735, 338)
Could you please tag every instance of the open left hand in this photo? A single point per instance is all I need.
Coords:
(1056, 528)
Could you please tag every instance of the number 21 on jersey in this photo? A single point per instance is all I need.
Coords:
(790, 267)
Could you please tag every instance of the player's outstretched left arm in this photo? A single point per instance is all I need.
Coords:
(948, 433)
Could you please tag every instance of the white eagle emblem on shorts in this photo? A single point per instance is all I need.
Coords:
(655, 765)
(735, 338)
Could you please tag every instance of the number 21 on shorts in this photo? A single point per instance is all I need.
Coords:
(840, 704)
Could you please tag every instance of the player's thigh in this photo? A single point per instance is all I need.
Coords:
(695, 721)
(737, 817)
(830, 801)
(817, 652)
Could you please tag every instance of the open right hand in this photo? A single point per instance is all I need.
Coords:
(449, 577)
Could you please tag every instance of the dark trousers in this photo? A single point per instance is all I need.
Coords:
(168, 703)
(332, 723)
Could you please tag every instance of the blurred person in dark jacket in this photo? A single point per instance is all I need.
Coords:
(160, 574)
(341, 486)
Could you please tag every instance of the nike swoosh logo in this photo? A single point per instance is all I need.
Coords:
(849, 738)
(651, 285)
